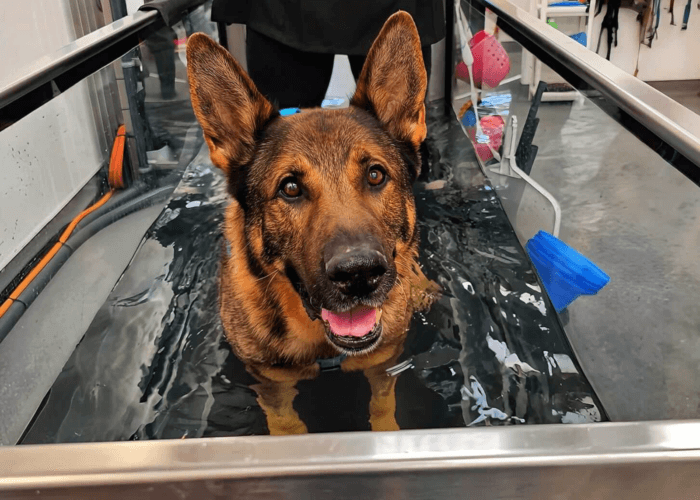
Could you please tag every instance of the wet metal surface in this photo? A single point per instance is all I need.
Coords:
(639, 461)
(154, 363)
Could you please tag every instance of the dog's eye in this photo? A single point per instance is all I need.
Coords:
(290, 188)
(375, 175)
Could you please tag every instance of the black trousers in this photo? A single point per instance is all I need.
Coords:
(162, 46)
(293, 78)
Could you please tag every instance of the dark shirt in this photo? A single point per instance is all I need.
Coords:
(329, 26)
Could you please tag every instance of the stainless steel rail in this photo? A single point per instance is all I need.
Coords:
(58, 63)
(618, 460)
(45, 78)
(671, 122)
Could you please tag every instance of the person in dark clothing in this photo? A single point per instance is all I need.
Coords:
(291, 45)
(162, 45)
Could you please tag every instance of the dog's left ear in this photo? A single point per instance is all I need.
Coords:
(393, 81)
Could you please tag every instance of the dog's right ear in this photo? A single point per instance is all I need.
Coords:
(226, 102)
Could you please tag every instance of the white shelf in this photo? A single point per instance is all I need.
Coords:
(567, 11)
(570, 95)
(532, 67)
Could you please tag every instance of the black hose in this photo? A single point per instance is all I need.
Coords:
(125, 203)
(10, 318)
(119, 212)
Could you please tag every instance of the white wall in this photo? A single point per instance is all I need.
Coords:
(675, 55)
(49, 155)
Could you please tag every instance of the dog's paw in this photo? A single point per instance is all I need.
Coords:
(424, 293)
(386, 423)
(286, 426)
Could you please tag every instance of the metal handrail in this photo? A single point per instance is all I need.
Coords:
(54, 73)
(652, 110)
(75, 53)
(495, 458)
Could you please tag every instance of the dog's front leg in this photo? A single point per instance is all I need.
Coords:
(382, 405)
(276, 392)
(276, 400)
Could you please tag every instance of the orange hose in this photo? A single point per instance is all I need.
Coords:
(116, 171)
(54, 250)
(116, 181)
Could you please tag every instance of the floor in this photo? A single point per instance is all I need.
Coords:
(637, 218)
(37, 348)
(685, 93)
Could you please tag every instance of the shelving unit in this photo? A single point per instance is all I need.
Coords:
(532, 68)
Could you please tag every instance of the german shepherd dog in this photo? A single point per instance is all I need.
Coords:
(321, 227)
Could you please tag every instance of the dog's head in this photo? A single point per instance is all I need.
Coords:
(325, 195)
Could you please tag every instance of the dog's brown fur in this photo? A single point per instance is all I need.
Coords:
(274, 242)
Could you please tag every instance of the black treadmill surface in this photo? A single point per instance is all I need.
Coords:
(154, 363)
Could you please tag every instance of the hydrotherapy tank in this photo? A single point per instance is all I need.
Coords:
(116, 381)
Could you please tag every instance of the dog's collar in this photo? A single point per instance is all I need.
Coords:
(331, 364)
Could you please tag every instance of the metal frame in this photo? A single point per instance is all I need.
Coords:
(618, 460)
(635, 460)
(57, 72)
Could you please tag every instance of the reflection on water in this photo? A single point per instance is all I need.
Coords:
(154, 363)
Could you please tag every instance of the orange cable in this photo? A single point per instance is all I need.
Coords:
(115, 180)
(54, 250)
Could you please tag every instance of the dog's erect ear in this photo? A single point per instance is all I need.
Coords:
(227, 104)
(393, 81)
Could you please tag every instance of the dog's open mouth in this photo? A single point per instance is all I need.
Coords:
(355, 330)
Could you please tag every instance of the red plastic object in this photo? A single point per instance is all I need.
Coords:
(491, 61)
(492, 126)
(462, 72)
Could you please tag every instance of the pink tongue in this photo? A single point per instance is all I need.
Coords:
(356, 323)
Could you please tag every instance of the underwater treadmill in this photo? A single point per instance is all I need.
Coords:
(491, 397)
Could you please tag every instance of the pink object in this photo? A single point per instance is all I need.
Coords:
(355, 323)
(492, 126)
(462, 72)
(491, 61)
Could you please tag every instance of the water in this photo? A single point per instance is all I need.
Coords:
(154, 363)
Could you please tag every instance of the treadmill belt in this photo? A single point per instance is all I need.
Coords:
(154, 363)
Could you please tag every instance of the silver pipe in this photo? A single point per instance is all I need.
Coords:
(560, 451)
(62, 60)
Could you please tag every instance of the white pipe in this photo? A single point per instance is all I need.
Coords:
(543, 192)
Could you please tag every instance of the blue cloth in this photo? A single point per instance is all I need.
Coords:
(336, 101)
(565, 273)
(495, 100)
(289, 111)
(469, 119)
(580, 38)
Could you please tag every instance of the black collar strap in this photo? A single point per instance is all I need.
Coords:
(331, 364)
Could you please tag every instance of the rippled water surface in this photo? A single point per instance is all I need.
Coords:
(491, 351)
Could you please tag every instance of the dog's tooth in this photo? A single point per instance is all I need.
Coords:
(379, 316)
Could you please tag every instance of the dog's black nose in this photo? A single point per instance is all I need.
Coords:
(355, 268)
